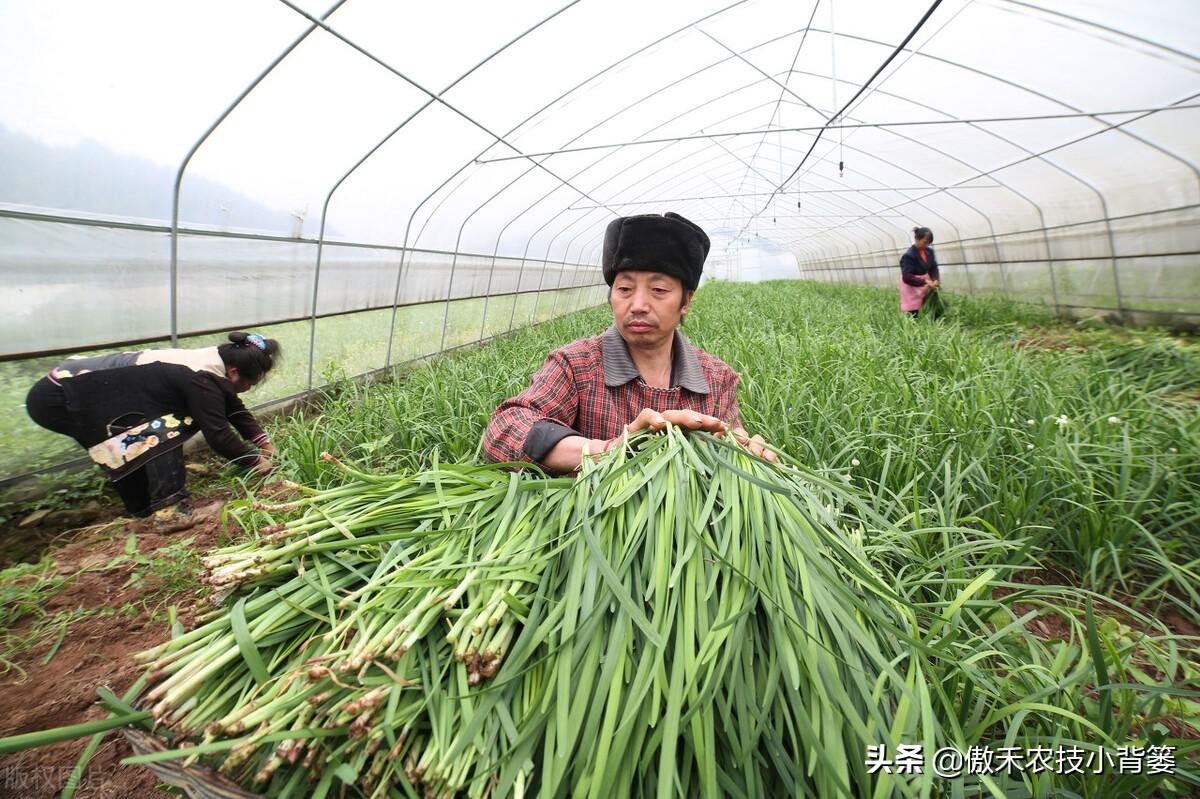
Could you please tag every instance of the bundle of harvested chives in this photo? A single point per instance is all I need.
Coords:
(683, 619)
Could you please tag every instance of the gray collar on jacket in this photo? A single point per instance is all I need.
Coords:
(619, 368)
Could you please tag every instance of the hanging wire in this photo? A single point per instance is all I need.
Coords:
(834, 85)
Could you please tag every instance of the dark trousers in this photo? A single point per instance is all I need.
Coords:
(159, 483)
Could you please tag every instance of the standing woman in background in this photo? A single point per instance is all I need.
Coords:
(918, 271)
(132, 411)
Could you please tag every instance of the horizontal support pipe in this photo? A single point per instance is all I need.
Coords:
(148, 228)
(797, 193)
(846, 126)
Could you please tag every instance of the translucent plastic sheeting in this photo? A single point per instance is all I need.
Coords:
(347, 345)
(1049, 147)
(1108, 266)
(76, 286)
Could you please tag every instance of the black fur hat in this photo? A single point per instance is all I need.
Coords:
(669, 244)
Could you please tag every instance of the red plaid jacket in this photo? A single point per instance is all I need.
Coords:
(592, 388)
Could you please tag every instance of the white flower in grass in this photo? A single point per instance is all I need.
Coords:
(847, 478)
(1062, 420)
(1030, 423)
(1172, 450)
(854, 462)
(1012, 420)
(1029, 446)
(1114, 420)
(951, 429)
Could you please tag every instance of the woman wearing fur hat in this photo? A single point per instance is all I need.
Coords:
(639, 374)
(132, 412)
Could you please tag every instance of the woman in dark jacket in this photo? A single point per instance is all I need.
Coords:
(918, 271)
(133, 411)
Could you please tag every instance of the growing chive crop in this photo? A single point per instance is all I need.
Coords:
(686, 620)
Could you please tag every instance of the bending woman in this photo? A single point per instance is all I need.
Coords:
(132, 411)
(918, 271)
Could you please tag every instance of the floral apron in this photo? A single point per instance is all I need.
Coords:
(131, 449)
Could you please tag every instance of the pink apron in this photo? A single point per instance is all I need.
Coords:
(912, 297)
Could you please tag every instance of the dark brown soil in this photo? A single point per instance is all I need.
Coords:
(1051, 626)
(19, 544)
(95, 652)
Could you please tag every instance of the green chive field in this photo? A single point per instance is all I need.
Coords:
(983, 535)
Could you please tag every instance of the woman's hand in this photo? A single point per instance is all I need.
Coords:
(263, 466)
(567, 455)
(650, 419)
(755, 444)
(932, 284)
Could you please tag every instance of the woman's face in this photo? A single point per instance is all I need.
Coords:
(240, 384)
(922, 243)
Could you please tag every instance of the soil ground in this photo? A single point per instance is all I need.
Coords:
(132, 597)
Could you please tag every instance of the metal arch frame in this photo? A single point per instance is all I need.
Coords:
(954, 227)
(566, 258)
(1107, 220)
(866, 90)
(989, 173)
(784, 88)
(174, 308)
(743, 59)
(682, 158)
(312, 335)
(478, 161)
(595, 126)
(548, 222)
(862, 190)
(1000, 184)
(677, 178)
(174, 237)
(827, 119)
(1067, 225)
(574, 176)
(685, 112)
(514, 129)
(842, 111)
(709, 176)
(1103, 200)
(908, 123)
(696, 153)
(521, 271)
(569, 208)
(656, 91)
(1050, 98)
(499, 139)
(735, 54)
(1104, 204)
(750, 168)
(537, 297)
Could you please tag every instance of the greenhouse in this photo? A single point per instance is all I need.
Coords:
(512, 400)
